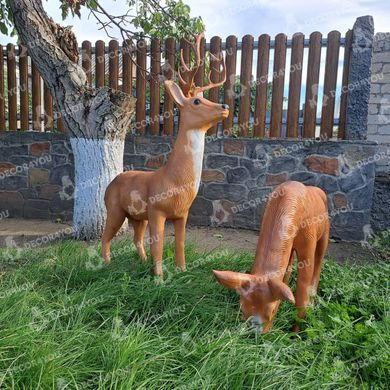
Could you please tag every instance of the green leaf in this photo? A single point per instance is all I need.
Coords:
(147, 27)
(3, 28)
(92, 4)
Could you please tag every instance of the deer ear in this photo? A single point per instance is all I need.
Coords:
(175, 91)
(231, 279)
(280, 290)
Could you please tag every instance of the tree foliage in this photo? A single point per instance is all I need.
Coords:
(144, 18)
(6, 19)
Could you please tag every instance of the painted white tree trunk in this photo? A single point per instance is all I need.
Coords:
(93, 117)
(97, 163)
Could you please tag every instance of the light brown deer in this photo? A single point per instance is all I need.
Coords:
(167, 193)
(295, 220)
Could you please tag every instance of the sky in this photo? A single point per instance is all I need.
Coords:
(240, 17)
(255, 17)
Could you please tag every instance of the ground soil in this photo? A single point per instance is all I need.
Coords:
(33, 233)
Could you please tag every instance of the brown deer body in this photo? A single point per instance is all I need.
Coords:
(167, 193)
(295, 220)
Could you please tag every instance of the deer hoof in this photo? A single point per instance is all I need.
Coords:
(144, 259)
(158, 271)
(296, 328)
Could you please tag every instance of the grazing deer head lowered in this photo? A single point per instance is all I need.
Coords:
(167, 193)
(295, 220)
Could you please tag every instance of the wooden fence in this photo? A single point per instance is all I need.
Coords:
(262, 102)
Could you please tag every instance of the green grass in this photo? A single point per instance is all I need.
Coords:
(68, 323)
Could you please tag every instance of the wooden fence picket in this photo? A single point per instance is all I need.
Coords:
(245, 85)
(36, 97)
(229, 87)
(2, 93)
(344, 85)
(169, 66)
(215, 49)
(86, 58)
(199, 76)
(48, 106)
(12, 87)
(261, 86)
(100, 64)
(329, 96)
(278, 85)
(155, 87)
(294, 96)
(140, 115)
(113, 64)
(313, 74)
(23, 83)
(127, 67)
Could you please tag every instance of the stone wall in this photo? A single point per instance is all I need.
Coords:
(239, 175)
(379, 129)
(380, 213)
(34, 170)
(36, 177)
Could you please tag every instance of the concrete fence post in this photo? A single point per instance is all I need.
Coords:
(359, 78)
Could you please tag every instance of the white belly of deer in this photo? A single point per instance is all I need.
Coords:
(197, 150)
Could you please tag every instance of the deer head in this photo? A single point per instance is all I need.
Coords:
(196, 112)
(259, 297)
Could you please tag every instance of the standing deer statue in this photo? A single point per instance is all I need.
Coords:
(295, 220)
(167, 193)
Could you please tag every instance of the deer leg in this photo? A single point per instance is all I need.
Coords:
(322, 245)
(139, 233)
(156, 228)
(305, 274)
(180, 233)
(289, 268)
(115, 219)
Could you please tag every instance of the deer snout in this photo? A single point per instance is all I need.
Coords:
(257, 323)
(225, 112)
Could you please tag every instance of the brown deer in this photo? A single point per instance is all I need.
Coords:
(167, 193)
(295, 220)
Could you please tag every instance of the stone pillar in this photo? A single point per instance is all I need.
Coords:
(359, 78)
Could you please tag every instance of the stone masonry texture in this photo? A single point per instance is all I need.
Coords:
(379, 129)
(359, 78)
(37, 177)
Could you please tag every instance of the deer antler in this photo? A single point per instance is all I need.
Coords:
(222, 75)
(188, 87)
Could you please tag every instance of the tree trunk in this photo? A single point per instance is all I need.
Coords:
(96, 119)
(97, 163)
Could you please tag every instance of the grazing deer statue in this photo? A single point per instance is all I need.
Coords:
(295, 220)
(167, 193)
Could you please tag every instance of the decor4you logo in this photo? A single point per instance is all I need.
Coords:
(12, 252)
(137, 204)
(40, 161)
(95, 260)
(69, 191)
(4, 214)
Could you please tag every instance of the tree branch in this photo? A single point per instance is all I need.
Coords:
(34, 28)
(86, 112)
